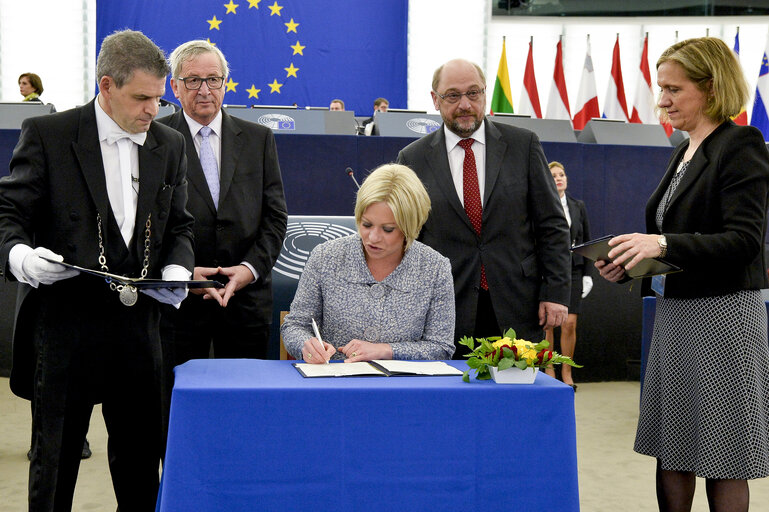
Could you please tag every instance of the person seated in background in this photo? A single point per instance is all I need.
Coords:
(337, 105)
(31, 87)
(380, 105)
(377, 294)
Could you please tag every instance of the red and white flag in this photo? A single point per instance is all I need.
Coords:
(529, 95)
(643, 104)
(558, 102)
(587, 97)
(615, 106)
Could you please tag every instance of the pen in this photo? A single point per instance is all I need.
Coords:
(320, 340)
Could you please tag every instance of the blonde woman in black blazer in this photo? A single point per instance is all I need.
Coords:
(581, 282)
(705, 403)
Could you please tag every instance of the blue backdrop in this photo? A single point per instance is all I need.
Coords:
(284, 51)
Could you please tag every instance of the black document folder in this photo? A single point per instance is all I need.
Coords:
(598, 249)
(138, 282)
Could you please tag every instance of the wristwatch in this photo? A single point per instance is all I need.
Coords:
(663, 243)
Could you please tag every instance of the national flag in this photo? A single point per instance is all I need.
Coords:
(759, 117)
(502, 101)
(558, 102)
(284, 52)
(529, 95)
(587, 97)
(615, 106)
(741, 118)
(643, 104)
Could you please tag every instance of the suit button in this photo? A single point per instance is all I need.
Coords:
(74, 215)
(162, 214)
(219, 227)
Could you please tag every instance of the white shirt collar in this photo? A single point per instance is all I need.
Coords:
(563, 201)
(452, 139)
(106, 125)
(215, 124)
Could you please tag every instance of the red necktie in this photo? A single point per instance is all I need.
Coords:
(472, 195)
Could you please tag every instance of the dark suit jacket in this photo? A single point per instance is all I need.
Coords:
(580, 233)
(51, 199)
(716, 220)
(524, 241)
(251, 221)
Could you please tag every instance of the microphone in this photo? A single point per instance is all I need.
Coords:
(351, 174)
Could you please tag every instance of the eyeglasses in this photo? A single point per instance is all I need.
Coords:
(454, 97)
(193, 83)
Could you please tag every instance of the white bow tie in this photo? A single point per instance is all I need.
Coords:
(116, 135)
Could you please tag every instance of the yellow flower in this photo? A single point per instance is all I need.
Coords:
(526, 351)
(500, 343)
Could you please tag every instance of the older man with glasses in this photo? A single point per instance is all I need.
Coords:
(236, 197)
(495, 213)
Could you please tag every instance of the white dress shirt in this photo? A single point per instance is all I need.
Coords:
(457, 159)
(566, 209)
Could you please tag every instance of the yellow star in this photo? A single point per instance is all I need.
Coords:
(231, 85)
(275, 86)
(210, 42)
(275, 8)
(231, 7)
(298, 48)
(214, 23)
(253, 3)
(291, 71)
(253, 92)
(291, 26)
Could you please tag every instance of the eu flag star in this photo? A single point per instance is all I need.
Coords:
(231, 7)
(275, 8)
(253, 3)
(290, 26)
(298, 48)
(231, 85)
(253, 92)
(291, 71)
(275, 86)
(214, 23)
(210, 42)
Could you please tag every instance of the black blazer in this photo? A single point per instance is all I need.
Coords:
(250, 223)
(51, 199)
(716, 220)
(524, 240)
(580, 233)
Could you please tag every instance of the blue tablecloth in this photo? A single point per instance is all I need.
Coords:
(250, 435)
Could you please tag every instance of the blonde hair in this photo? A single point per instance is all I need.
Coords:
(192, 50)
(400, 188)
(555, 163)
(713, 66)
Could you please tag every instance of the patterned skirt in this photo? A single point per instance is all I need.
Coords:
(705, 400)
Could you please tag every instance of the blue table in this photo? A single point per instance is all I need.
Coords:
(250, 435)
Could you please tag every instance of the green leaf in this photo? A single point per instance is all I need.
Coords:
(505, 363)
(510, 333)
(466, 376)
(521, 364)
(474, 363)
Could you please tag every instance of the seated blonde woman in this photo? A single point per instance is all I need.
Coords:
(378, 294)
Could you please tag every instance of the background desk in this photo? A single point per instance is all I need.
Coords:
(251, 435)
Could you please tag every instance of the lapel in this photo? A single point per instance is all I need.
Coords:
(195, 174)
(576, 221)
(437, 160)
(151, 178)
(495, 150)
(232, 145)
(88, 153)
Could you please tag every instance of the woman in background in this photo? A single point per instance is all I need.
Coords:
(378, 294)
(581, 282)
(31, 87)
(705, 401)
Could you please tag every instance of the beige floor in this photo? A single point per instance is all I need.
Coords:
(612, 477)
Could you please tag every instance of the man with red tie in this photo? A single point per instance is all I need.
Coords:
(495, 213)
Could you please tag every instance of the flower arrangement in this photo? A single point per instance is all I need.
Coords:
(503, 352)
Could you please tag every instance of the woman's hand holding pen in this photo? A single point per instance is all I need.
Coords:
(359, 350)
(311, 352)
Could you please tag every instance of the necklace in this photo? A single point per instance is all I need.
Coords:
(128, 294)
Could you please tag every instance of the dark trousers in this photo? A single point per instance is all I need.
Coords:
(485, 323)
(112, 357)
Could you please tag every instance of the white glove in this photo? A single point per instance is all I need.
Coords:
(172, 296)
(587, 285)
(39, 271)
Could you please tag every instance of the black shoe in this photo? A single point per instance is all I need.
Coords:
(86, 453)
